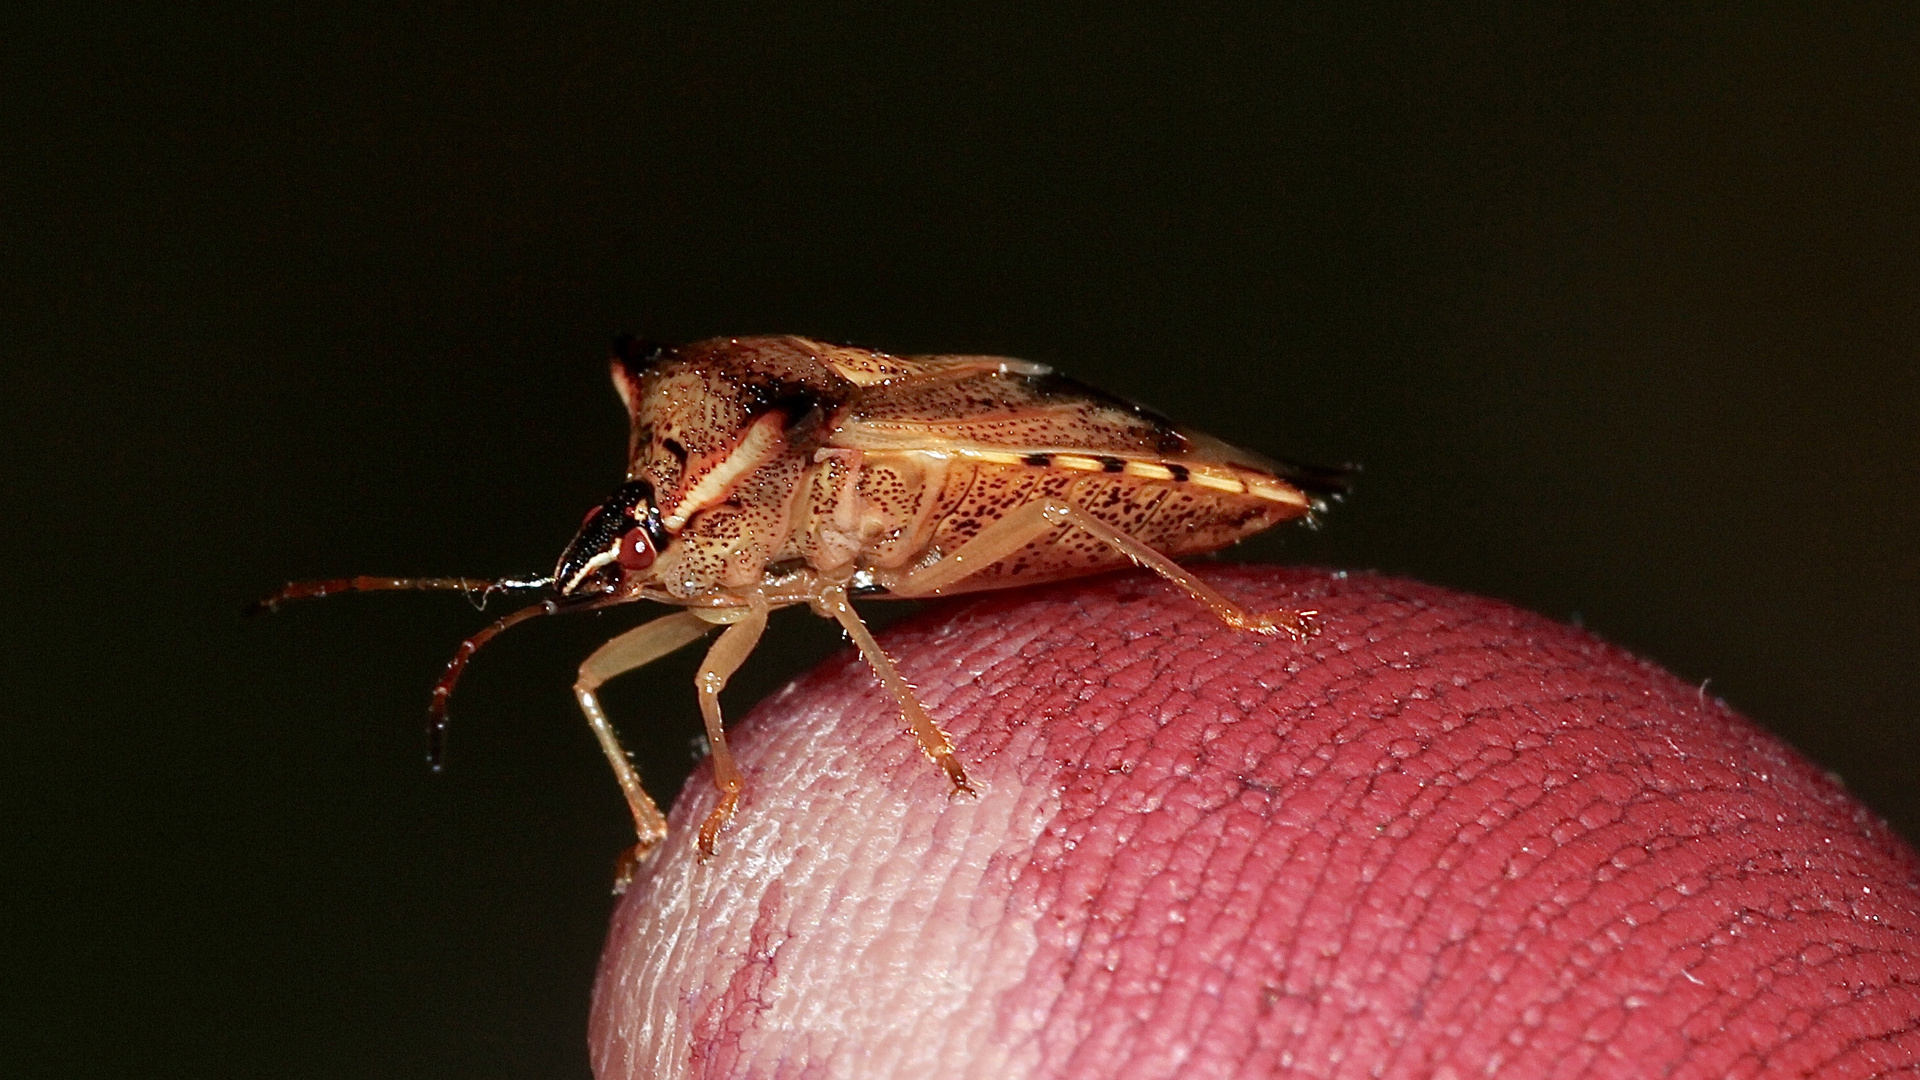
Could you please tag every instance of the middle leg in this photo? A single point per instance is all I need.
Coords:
(832, 601)
(726, 656)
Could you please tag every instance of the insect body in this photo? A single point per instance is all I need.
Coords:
(770, 472)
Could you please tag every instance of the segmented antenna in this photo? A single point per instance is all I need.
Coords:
(314, 590)
(443, 690)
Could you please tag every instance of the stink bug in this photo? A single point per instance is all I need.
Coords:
(768, 472)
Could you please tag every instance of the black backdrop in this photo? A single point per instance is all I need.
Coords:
(1618, 310)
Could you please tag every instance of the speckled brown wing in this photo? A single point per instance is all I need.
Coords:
(994, 403)
(1007, 432)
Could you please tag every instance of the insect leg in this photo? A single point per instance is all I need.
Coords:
(833, 601)
(1028, 523)
(637, 647)
(725, 658)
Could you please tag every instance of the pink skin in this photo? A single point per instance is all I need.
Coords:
(1443, 838)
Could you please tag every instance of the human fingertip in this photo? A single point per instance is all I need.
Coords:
(1442, 835)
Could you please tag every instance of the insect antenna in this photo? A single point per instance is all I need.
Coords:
(443, 690)
(314, 590)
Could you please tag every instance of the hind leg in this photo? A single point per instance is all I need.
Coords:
(1034, 520)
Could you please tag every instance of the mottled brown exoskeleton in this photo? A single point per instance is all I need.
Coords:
(769, 472)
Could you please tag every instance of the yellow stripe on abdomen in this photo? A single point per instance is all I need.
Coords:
(1230, 480)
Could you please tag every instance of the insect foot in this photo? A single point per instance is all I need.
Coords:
(957, 775)
(1298, 625)
(1198, 855)
(629, 864)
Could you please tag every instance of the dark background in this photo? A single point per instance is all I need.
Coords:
(1617, 309)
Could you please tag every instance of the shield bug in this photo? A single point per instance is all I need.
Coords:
(769, 472)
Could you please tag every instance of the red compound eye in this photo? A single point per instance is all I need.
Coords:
(635, 552)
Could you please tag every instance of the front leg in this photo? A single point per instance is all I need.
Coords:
(1033, 520)
(637, 647)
